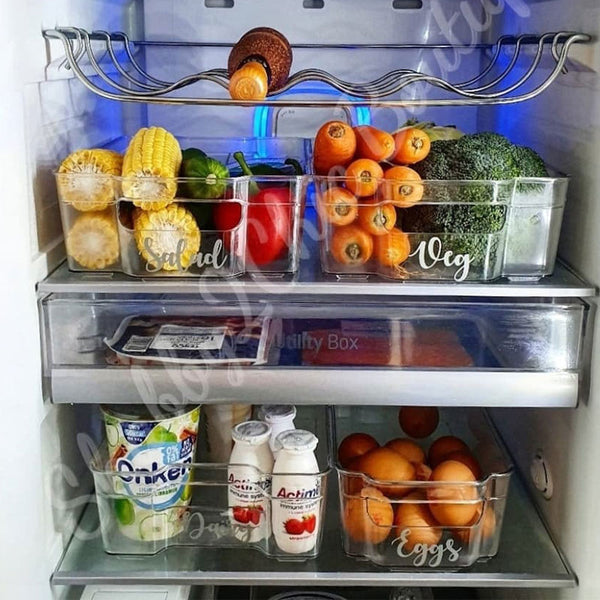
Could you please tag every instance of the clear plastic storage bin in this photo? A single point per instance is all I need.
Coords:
(428, 544)
(208, 520)
(440, 230)
(192, 227)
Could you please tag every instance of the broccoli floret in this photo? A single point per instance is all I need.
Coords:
(483, 156)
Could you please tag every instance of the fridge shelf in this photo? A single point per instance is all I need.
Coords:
(310, 281)
(527, 557)
(106, 64)
(498, 353)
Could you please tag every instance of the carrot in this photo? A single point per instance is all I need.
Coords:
(339, 206)
(373, 143)
(411, 145)
(400, 187)
(335, 144)
(351, 245)
(393, 249)
(363, 177)
(376, 218)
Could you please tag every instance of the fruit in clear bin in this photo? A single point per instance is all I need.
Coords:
(407, 448)
(155, 527)
(368, 518)
(376, 218)
(124, 511)
(418, 421)
(93, 240)
(350, 245)
(86, 178)
(451, 502)
(167, 239)
(363, 177)
(385, 465)
(444, 446)
(160, 435)
(338, 206)
(486, 527)
(335, 144)
(401, 187)
(414, 522)
(392, 250)
(373, 143)
(411, 146)
(354, 445)
(467, 459)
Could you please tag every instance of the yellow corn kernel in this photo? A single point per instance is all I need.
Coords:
(85, 178)
(93, 240)
(150, 166)
(170, 233)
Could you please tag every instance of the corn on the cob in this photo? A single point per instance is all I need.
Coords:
(85, 178)
(150, 166)
(170, 233)
(93, 240)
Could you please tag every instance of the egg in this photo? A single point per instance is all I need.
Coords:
(467, 459)
(418, 421)
(415, 524)
(422, 472)
(368, 518)
(407, 448)
(385, 465)
(353, 445)
(486, 527)
(453, 504)
(444, 446)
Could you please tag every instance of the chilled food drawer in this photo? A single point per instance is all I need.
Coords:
(148, 503)
(238, 210)
(403, 508)
(477, 353)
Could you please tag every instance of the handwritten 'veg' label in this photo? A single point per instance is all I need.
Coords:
(431, 252)
(158, 261)
(422, 552)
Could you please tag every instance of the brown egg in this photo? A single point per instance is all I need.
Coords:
(423, 472)
(411, 451)
(383, 465)
(486, 528)
(453, 504)
(368, 517)
(352, 484)
(418, 421)
(353, 445)
(416, 522)
(467, 459)
(443, 446)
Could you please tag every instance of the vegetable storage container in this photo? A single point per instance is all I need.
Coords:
(441, 230)
(367, 505)
(208, 521)
(192, 226)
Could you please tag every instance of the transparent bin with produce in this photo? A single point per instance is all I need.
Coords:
(402, 508)
(222, 207)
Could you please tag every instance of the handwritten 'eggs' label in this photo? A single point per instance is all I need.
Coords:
(426, 554)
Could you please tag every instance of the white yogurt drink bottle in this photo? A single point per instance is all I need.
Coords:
(281, 418)
(220, 420)
(249, 479)
(296, 492)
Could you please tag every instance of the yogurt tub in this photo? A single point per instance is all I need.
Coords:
(139, 438)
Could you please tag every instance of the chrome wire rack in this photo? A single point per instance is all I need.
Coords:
(106, 64)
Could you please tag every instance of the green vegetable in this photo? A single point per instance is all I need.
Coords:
(483, 156)
(210, 173)
(192, 153)
(266, 169)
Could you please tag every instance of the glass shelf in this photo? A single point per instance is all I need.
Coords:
(527, 558)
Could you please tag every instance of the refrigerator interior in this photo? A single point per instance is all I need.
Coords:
(54, 114)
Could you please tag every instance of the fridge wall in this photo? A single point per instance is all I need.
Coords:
(50, 114)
